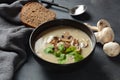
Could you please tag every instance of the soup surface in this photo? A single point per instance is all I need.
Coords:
(63, 45)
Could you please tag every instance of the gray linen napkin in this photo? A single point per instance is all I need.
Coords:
(14, 46)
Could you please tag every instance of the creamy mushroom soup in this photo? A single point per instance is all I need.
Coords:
(63, 45)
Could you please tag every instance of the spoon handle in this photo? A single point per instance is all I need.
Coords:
(54, 4)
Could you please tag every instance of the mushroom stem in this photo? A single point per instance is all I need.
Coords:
(94, 28)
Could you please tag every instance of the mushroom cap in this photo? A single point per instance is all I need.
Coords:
(102, 23)
(105, 36)
(112, 49)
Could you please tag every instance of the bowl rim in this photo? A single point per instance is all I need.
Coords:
(33, 52)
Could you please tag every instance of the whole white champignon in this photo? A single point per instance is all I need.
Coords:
(112, 49)
(104, 32)
(104, 36)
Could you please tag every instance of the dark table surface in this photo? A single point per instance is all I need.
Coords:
(100, 66)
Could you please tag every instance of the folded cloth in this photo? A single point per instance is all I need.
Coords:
(14, 38)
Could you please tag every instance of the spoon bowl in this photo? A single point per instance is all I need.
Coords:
(75, 11)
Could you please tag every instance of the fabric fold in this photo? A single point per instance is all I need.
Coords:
(14, 39)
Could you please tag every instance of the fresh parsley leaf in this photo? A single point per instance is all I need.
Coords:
(70, 49)
(61, 47)
(78, 57)
(57, 53)
(62, 59)
(62, 56)
(49, 49)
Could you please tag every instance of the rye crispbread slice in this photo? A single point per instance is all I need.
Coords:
(34, 14)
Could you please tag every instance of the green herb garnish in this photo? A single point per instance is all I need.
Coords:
(70, 49)
(62, 59)
(62, 52)
(49, 49)
(61, 47)
(57, 53)
(64, 46)
(78, 57)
